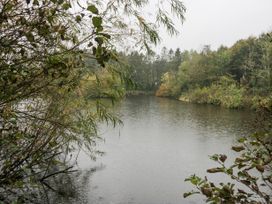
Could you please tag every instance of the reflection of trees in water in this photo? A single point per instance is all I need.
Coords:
(136, 106)
(206, 117)
(220, 119)
(203, 118)
(72, 188)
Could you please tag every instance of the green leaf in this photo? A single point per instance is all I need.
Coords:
(246, 182)
(97, 21)
(13, 120)
(260, 168)
(90, 44)
(93, 9)
(255, 143)
(195, 180)
(241, 140)
(36, 2)
(99, 40)
(99, 29)
(66, 6)
(241, 174)
(29, 37)
(215, 170)
(106, 35)
(238, 148)
(78, 18)
(230, 171)
(214, 157)
(185, 195)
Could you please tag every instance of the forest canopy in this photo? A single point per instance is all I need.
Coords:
(234, 77)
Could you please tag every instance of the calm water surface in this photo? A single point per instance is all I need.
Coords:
(161, 143)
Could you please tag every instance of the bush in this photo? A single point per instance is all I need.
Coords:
(103, 84)
(169, 86)
(250, 172)
(224, 92)
(253, 187)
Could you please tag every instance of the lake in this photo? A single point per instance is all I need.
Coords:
(162, 142)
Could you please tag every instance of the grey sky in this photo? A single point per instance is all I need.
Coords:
(217, 22)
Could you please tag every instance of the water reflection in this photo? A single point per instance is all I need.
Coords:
(161, 143)
(72, 188)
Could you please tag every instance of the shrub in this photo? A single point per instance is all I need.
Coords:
(169, 86)
(250, 172)
(224, 92)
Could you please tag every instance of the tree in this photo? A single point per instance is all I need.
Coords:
(45, 109)
(175, 61)
(139, 70)
(198, 79)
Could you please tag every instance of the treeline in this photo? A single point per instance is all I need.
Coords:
(233, 77)
(146, 71)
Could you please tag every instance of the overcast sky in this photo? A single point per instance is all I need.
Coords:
(217, 22)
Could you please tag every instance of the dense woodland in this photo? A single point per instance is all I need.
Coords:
(238, 76)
